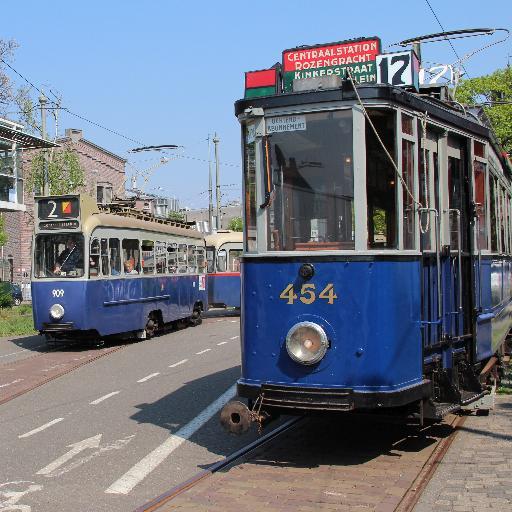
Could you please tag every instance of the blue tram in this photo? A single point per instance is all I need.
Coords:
(377, 263)
(223, 252)
(98, 275)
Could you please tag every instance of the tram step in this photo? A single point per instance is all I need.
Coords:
(437, 410)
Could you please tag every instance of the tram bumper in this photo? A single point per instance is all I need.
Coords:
(331, 399)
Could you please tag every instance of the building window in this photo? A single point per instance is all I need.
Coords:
(104, 193)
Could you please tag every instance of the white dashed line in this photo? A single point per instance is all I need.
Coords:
(234, 338)
(104, 397)
(203, 351)
(183, 361)
(148, 377)
(41, 428)
(14, 353)
(222, 343)
(145, 466)
(11, 383)
(234, 321)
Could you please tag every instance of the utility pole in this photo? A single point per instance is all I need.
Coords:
(46, 186)
(216, 141)
(210, 191)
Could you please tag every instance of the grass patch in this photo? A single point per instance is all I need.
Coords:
(16, 321)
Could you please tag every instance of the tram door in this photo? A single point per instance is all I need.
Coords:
(458, 299)
(448, 314)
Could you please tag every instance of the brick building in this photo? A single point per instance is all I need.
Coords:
(104, 178)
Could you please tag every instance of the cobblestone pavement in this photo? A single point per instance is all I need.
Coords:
(476, 473)
(325, 464)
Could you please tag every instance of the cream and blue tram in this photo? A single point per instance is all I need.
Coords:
(97, 275)
(223, 254)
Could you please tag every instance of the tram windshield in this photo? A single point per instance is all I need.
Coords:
(59, 255)
(310, 164)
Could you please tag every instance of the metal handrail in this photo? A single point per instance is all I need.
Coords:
(438, 260)
(459, 252)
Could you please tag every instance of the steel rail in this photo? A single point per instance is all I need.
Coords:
(217, 466)
(413, 494)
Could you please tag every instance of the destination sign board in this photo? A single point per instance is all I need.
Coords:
(53, 225)
(58, 208)
(332, 60)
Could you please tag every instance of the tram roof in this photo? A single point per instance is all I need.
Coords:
(117, 221)
(382, 92)
(222, 237)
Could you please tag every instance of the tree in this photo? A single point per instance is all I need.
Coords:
(494, 93)
(65, 174)
(6, 52)
(177, 216)
(235, 224)
(3, 234)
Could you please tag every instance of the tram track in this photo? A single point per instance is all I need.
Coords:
(204, 492)
(37, 370)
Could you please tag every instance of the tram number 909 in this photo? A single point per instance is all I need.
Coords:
(307, 294)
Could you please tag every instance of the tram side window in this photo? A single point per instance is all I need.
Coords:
(94, 258)
(494, 206)
(172, 258)
(201, 259)
(221, 260)
(191, 259)
(210, 259)
(131, 256)
(148, 257)
(480, 203)
(160, 251)
(182, 258)
(250, 187)
(234, 260)
(105, 270)
(408, 201)
(381, 182)
(115, 256)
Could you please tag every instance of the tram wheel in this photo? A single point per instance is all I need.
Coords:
(196, 318)
(151, 327)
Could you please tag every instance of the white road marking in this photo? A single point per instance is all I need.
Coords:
(148, 377)
(104, 397)
(203, 351)
(234, 338)
(233, 321)
(116, 445)
(76, 448)
(41, 428)
(145, 466)
(11, 383)
(14, 353)
(183, 361)
(12, 496)
(221, 343)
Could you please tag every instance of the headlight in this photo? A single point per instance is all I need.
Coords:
(306, 343)
(56, 311)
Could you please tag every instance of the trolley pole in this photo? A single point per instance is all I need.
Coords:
(210, 190)
(216, 141)
(46, 185)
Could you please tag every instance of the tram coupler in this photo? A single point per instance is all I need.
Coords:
(236, 417)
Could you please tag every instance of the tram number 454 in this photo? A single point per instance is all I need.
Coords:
(308, 294)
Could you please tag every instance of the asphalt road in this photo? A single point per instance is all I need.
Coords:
(114, 433)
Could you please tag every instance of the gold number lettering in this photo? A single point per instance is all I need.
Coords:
(328, 293)
(307, 293)
(288, 294)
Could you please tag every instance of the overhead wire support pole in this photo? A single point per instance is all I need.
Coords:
(46, 185)
(216, 141)
(210, 187)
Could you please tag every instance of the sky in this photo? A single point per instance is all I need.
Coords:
(168, 72)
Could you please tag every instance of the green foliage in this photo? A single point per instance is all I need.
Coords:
(177, 216)
(16, 321)
(65, 174)
(3, 234)
(6, 300)
(236, 224)
(495, 90)
(6, 52)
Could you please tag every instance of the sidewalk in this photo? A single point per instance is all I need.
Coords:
(476, 473)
